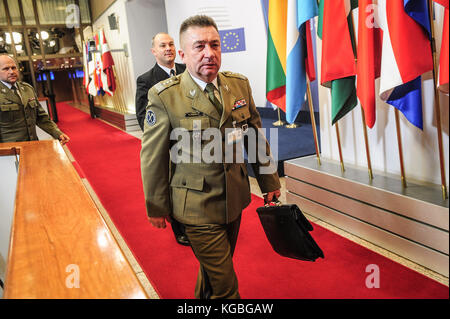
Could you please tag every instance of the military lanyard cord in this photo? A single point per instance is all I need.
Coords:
(212, 97)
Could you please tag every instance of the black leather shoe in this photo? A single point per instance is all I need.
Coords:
(183, 240)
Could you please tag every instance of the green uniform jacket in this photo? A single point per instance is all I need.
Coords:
(19, 117)
(198, 192)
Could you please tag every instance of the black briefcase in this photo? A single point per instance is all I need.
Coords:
(287, 230)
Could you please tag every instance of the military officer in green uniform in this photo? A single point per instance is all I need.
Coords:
(20, 110)
(215, 109)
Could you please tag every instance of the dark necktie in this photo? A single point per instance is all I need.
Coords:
(14, 89)
(172, 72)
(212, 97)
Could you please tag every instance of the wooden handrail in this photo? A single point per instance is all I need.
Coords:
(9, 151)
(60, 246)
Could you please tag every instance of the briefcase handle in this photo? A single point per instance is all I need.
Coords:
(274, 201)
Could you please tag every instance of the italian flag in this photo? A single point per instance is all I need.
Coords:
(108, 80)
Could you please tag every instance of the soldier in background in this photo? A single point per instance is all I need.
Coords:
(20, 110)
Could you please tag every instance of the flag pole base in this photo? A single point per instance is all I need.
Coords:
(370, 174)
(318, 160)
(404, 182)
(293, 125)
(278, 123)
(444, 192)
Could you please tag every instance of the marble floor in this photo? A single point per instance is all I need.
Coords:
(255, 190)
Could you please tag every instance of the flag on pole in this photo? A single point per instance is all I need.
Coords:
(406, 55)
(92, 89)
(443, 3)
(298, 62)
(444, 57)
(309, 59)
(338, 58)
(418, 10)
(107, 73)
(369, 58)
(98, 66)
(85, 66)
(276, 53)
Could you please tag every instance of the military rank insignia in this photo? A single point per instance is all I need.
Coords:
(150, 117)
(239, 103)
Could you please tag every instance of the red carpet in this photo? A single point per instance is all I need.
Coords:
(109, 159)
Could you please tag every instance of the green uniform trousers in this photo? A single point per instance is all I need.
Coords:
(213, 245)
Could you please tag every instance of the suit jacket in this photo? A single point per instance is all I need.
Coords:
(196, 191)
(145, 82)
(20, 115)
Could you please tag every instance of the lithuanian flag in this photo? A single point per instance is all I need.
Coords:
(276, 53)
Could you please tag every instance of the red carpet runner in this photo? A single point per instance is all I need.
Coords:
(109, 160)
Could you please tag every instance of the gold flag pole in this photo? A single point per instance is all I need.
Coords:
(313, 119)
(437, 104)
(400, 149)
(279, 122)
(339, 146)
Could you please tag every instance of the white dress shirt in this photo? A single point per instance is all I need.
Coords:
(167, 70)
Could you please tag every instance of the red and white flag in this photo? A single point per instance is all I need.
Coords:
(107, 72)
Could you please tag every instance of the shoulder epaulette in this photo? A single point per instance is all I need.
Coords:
(165, 84)
(234, 75)
(26, 84)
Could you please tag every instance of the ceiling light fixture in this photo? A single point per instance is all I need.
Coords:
(44, 35)
(17, 37)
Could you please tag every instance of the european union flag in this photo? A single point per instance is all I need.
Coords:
(233, 40)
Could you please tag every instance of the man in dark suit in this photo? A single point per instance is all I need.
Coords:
(163, 48)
